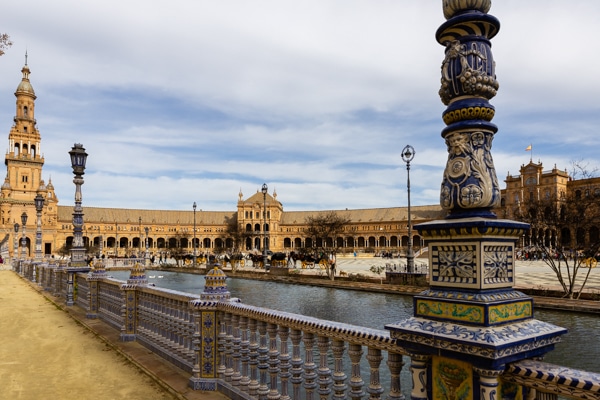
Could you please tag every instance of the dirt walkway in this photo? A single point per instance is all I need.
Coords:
(45, 354)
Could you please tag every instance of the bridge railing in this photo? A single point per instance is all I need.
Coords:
(257, 353)
(271, 354)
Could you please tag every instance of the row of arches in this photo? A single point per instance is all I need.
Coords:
(134, 245)
(360, 242)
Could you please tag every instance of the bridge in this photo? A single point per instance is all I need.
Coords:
(246, 352)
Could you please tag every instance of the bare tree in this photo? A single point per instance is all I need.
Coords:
(236, 232)
(564, 233)
(5, 42)
(323, 228)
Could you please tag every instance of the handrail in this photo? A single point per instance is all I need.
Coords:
(554, 379)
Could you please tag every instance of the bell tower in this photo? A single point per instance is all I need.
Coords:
(23, 160)
(23, 180)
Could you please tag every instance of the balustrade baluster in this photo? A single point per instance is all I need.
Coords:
(310, 375)
(221, 345)
(273, 362)
(263, 357)
(236, 377)
(375, 389)
(339, 376)
(284, 358)
(488, 382)
(228, 348)
(395, 365)
(253, 347)
(324, 371)
(244, 354)
(197, 345)
(356, 382)
(297, 363)
(418, 369)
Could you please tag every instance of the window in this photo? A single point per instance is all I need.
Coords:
(24, 178)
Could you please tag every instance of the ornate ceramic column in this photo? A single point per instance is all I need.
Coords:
(205, 371)
(469, 186)
(470, 319)
(137, 278)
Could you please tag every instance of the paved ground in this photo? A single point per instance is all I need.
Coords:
(48, 353)
(529, 274)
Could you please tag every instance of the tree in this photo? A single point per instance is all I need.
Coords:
(234, 231)
(5, 42)
(564, 232)
(323, 227)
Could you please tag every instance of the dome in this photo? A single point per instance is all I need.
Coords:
(25, 85)
(215, 288)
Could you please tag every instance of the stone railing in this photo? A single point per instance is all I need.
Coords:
(250, 352)
(121, 262)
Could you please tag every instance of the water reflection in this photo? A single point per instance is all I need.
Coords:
(374, 310)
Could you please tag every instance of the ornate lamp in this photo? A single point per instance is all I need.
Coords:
(408, 153)
(39, 205)
(16, 249)
(194, 243)
(264, 191)
(78, 160)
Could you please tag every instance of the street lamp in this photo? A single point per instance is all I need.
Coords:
(408, 153)
(116, 239)
(194, 243)
(23, 240)
(16, 250)
(264, 190)
(147, 255)
(140, 241)
(39, 204)
(78, 159)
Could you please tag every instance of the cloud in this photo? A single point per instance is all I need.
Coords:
(194, 100)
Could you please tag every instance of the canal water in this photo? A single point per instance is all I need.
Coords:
(375, 310)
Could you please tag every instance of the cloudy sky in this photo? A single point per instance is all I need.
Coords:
(195, 100)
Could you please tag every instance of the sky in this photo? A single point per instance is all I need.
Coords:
(196, 100)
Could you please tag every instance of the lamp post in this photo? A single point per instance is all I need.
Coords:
(16, 249)
(147, 255)
(116, 240)
(140, 241)
(23, 239)
(408, 153)
(194, 243)
(78, 159)
(39, 204)
(264, 190)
